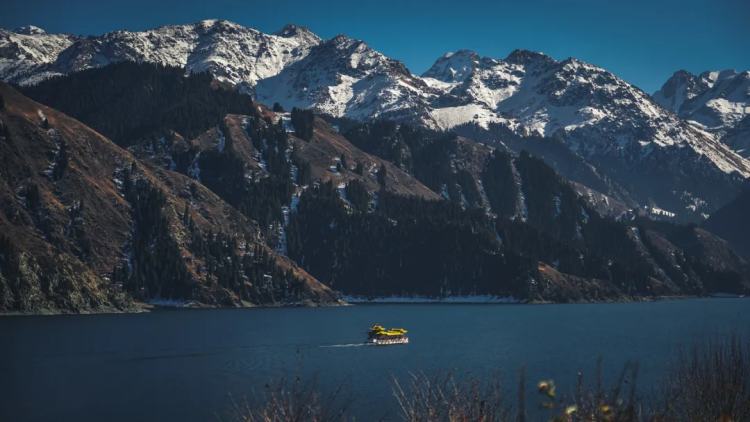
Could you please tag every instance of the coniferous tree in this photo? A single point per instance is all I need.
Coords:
(61, 161)
(344, 163)
(357, 194)
(304, 174)
(302, 120)
(33, 197)
(382, 175)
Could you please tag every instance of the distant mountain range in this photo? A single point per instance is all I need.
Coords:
(680, 151)
(544, 180)
(718, 102)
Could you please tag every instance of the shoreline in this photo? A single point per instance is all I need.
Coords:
(156, 306)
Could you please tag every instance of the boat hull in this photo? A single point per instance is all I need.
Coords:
(388, 341)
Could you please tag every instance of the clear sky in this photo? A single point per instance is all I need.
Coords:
(642, 41)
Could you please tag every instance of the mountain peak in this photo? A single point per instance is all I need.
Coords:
(220, 25)
(342, 40)
(682, 74)
(207, 23)
(29, 30)
(461, 53)
(453, 66)
(291, 30)
(521, 56)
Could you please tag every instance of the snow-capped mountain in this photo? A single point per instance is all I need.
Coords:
(654, 155)
(611, 124)
(27, 54)
(717, 101)
(231, 52)
(344, 77)
(585, 104)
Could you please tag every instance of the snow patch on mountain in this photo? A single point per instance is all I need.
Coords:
(716, 101)
(345, 77)
(596, 115)
(232, 53)
(595, 112)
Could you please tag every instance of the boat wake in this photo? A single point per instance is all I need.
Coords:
(348, 345)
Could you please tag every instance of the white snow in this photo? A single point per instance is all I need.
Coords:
(428, 299)
(448, 117)
(169, 303)
(194, 171)
(522, 211)
(594, 112)
(221, 141)
(233, 53)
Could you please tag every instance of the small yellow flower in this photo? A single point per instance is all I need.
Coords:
(571, 409)
(605, 409)
(547, 387)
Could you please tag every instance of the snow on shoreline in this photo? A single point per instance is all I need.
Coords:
(427, 299)
(169, 303)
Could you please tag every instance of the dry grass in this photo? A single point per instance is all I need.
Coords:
(443, 398)
(294, 401)
(709, 383)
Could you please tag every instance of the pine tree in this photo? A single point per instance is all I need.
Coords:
(343, 162)
(302, 120)
(382, 175)
(61, 161)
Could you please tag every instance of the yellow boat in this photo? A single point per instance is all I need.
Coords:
(381, 336)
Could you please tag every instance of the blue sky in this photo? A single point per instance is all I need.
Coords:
(642, 41)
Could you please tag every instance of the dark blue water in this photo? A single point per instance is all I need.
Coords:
(192, 364)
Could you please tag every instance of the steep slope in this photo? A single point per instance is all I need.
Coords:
(252, 160)
(637, 151)
(231, 52)
(28, 53)
(86, 226)
(731, 223)
(627, 146)
(549, 243)
(345, 77)
(153, 98)
(254, 165)
(655, 157)
(717, 101)
(333, 158)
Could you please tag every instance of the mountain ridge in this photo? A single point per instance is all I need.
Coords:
(596, 115)
(716, 101)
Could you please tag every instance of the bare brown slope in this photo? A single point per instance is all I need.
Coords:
(326, 148)
(65, 224)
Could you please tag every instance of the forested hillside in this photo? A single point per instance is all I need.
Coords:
(152, 97)
(250, 205)
(86, 226)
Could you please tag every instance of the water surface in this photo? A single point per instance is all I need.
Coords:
(192, 364)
